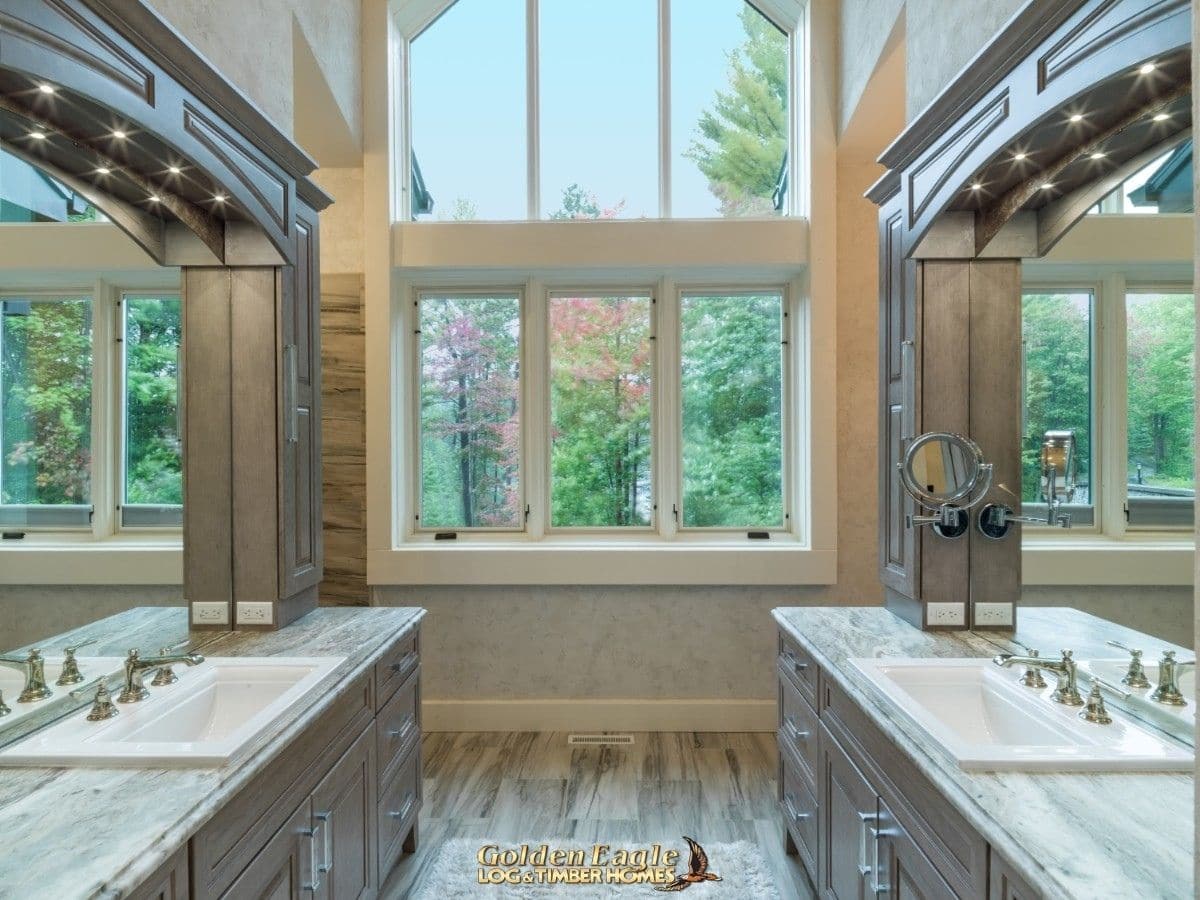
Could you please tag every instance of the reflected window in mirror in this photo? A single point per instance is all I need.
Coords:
(1161, 391)
(30, 196)
(1057, 339)
(89, 412)
(1163, 186)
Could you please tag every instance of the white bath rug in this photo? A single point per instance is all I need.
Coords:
(457, 871)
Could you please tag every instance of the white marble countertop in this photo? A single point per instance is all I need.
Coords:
(93, 832)
(1071, 835)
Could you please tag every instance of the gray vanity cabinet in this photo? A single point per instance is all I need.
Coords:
(281, 869)
(864, 821)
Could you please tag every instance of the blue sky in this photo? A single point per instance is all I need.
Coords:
(599, 112)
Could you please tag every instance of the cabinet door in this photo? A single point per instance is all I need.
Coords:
(904, 872)
(343, 813)
(898, 551)
(848, 809)
(300, 472)
(283, 869)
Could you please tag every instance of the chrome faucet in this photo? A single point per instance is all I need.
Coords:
(1135, 675)
(34, 667)
(1168, 686)
(135, 667)
(1066, 691)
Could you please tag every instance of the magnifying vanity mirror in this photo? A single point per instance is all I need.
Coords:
(946, 473)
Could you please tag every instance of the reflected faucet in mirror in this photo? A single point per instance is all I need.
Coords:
(1058, 475)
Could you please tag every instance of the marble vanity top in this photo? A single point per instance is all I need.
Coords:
(97, 832)
(1082, 835)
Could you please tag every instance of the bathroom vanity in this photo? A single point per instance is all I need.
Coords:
(874, 805)
(323, 801)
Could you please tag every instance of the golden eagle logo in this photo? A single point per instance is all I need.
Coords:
(697, 870)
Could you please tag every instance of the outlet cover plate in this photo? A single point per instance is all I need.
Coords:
(946, 615)
(993, 615)
(206, 612)
(253, 612)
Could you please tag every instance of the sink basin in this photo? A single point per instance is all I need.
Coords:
(988, 721)
(12, 682)
(212, 712)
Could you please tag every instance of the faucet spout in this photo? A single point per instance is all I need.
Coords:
(135, 668)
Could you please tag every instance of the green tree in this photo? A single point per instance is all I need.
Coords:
(742, 140)
(153, 463)
(1160, 337)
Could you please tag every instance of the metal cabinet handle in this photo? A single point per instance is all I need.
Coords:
(291, 386)
(795, 663)
(871, 832)
(797, 734)
(405, 662)
(404, 808)
(789, 800)
(327, 862)
(405, 727)
(313, 867)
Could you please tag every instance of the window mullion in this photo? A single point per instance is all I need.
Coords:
(106, 409)
(535, 450)
(532, 113)
(1111, 408)
(665, 436)
(664, 109)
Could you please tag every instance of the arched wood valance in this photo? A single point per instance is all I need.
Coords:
(104, 96)
(1063, 99)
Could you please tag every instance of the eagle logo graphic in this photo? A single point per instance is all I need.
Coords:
(697, 870)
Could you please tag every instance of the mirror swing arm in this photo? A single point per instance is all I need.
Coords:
(1057, 486)
(951, 507)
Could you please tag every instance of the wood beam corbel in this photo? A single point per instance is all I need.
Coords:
(208, 228)
(989, 221)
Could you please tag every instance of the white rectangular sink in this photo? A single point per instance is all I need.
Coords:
(988, 721)
(12, 682)
(212, 712)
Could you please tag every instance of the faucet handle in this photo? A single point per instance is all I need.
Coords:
(70, 673)
(1135, 675)
(1033, 675)
(1095, 710)
(70, 651)
(102, 706)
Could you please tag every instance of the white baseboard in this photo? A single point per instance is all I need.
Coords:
(598, 715)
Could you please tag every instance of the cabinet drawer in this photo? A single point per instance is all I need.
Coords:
(398, 726)
(799, 805)
(399, 803)
(799, 666)
(394, 667)
(798, 726)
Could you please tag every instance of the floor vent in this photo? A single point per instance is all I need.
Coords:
(599, 738)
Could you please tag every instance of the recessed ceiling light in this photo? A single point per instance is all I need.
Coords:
(174, 170)
(1077, 118)
(1161, 117)
(219, 198)
(103, 170)
(1147, 68)
(1047, 186)
(977, 186)
(153, 198)
(119, 135)
(46, 88)
(1019, 157)
(1098, 155)
(38, 135)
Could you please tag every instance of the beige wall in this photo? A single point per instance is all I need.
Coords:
(864, 28)
(30, 613)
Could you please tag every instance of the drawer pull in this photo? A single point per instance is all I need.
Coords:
(405, 808)
(327, 862)
(870, 870)
(790, 801)
(405, 662)
(797, 734)
(405, 727)
(793, 662)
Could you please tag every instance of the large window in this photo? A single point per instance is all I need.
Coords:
(89, 435)
(1128, 398)
(607, 428)
(1162, 186)
(562, 109)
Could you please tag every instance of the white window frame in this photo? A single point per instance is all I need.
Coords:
(666, 415)
(104, 552)
(1110, 552)
(410, 19)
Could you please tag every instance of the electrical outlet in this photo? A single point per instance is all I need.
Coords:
(255, 613)
(945, 615)
(993, 615)
(210, 613)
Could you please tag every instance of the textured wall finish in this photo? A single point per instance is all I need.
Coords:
(863, 30)
(943, 37)
(1163, 612)
(341, 223)
(31, 613)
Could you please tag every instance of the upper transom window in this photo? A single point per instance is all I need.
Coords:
(562, 109)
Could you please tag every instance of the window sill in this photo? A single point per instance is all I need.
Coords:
(1099, 560)
(676, 563)
(78, 559)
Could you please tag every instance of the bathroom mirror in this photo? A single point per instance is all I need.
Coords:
(942, 469)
